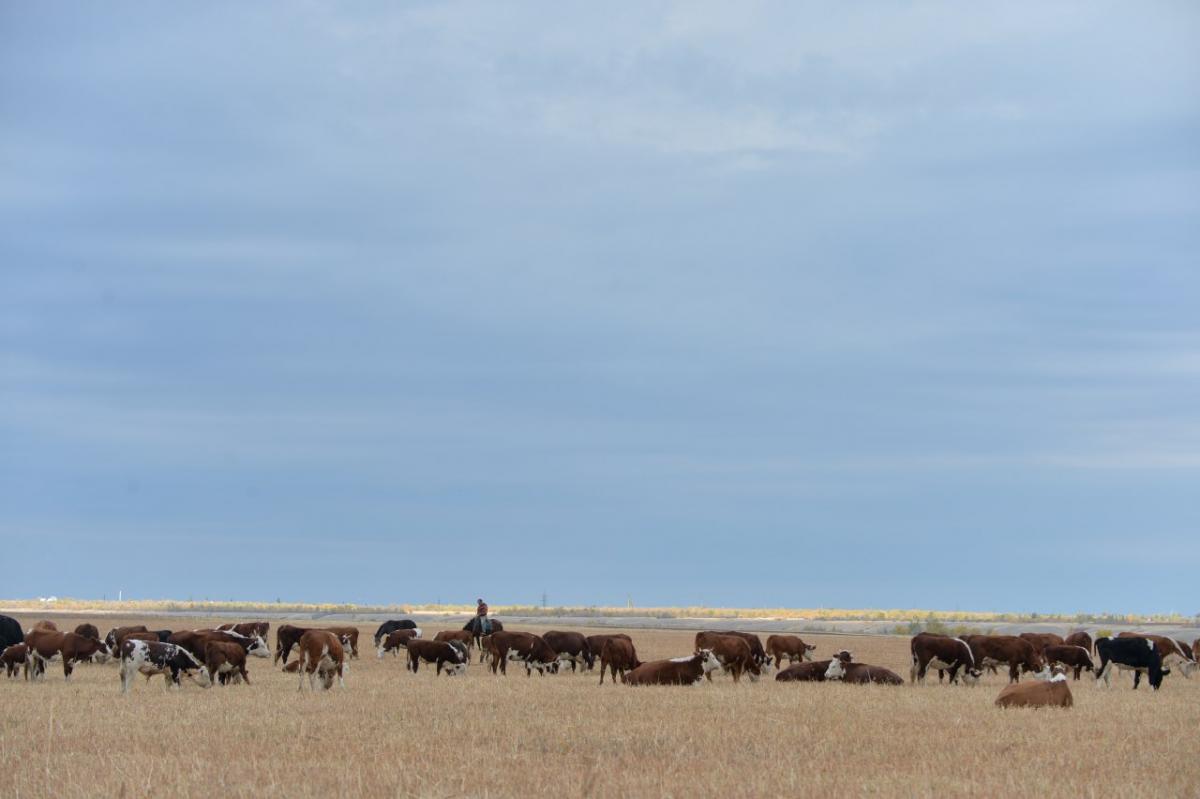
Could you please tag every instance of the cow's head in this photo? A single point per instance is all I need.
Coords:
(258, 647)
(1035, 664)
(808, 650)
(844, 655)
(836, 670)
(755, 670)
(454, 669)
(543, 666)
(103, 652)
(708, 661)
(971, 675)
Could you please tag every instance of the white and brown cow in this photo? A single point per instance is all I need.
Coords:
(322, 655)
(1009, 650)
(791, 647)
(861, 673)
(448, 656)
(46, 645)
(941, 652)
(154, 657)
(522, 647)
(1050, 693)
(732, 652)
(676, 671)
(225, 662)
(13, 657)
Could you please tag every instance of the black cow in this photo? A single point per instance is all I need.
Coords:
(393, 625)
(163, 635)
(1129, 654)
(10, 632)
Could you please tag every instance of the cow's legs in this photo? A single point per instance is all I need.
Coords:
(68, 667)
(1137, 678)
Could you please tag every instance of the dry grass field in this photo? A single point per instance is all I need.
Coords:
(391, 733)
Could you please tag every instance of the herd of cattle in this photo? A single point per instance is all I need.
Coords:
(218, 656)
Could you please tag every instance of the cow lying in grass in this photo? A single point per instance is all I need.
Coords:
(676, 671)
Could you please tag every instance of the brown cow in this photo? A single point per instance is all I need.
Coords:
(1171, 651)
(395, 641)
(443, 653)
(114, 635)
(1070, 655)
(756, 648)
(197, 641)
(1042, 640)
(247, 628)
(528, 648)
(676, 671)
(1080, 638)
(813, 671)
(1051, 693)
(570, 647)
(941, 652)
(596, 642)
(463, 636)
(861, 673)
(286, 637)
(732, 652)
(790, 647)
(47, 645)
(348, 636)
(88, 631)
(321, 654)
(45, 625)
(225, 659)
(14, 656)
(618, 655)
(1010, 650)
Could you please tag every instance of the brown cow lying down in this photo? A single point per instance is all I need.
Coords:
(812, 671)
(396, 640)
(1053, 693)
(861, 673)
(14, 656)
(676, 671)
(321, 654)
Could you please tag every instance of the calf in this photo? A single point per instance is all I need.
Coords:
(1051, 693)
(619, 656)
(861, 673)
(676, 671)
(396, 640)
(732, 652)
(790, 647)
(941, 652)
(13, 656)
(47, 645)
(1080, 638)
(1017, 653)
(1129, 654)
(321, 654)
(1173, 653)
(596, 643)
(154, 657)
(226, 660)
(528, 648)
(1070, 655)
(442, 653)
(395, 624)
(570, 647)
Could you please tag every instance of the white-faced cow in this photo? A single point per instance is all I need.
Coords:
(1049, 693)
(861, 673)
(791, 647)
(323, 657)
(810, 671)
(1070, 656)
(1009, 650)
(444, 654)
(154, 657)
(676, 671)
(1174, 655)
(1129, 654)
(570, 647)
(523, 647)
(757, 652)
(941, 652)
(732, 652)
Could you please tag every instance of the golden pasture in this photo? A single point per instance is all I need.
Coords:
(391, 733)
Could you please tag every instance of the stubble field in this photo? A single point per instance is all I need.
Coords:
(391, 733)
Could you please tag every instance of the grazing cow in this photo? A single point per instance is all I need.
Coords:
(757, 653)
(155, 657)
(1129, 654)
(1051, 693)
(225, 661)
(442, 653)
(528, 648)
(392, 625)
(676, 671)
(1080, 638)
(596, 643)
(861, 673)
(1171, 651)
(618, 655)
(321, 655)
(197, 641)
(395, 641)
(88, 631)
(570, 647)
(47, 645)
(10, 632)
(113, 639)
(1016, 653)
(1042, 640)
(13, 656)
(732, 652)
(941, 652)
(791, 647)
(1070, 655)
(248, 628)
(348, 636)
(286, 637)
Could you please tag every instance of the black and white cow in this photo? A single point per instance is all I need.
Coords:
(393, 625)
(154, 657)
(1129, 654)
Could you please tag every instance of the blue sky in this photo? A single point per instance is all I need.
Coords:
(755, 305)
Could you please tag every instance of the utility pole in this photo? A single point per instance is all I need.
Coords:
(543, 599)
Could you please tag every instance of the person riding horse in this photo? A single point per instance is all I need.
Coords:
(481, 612)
